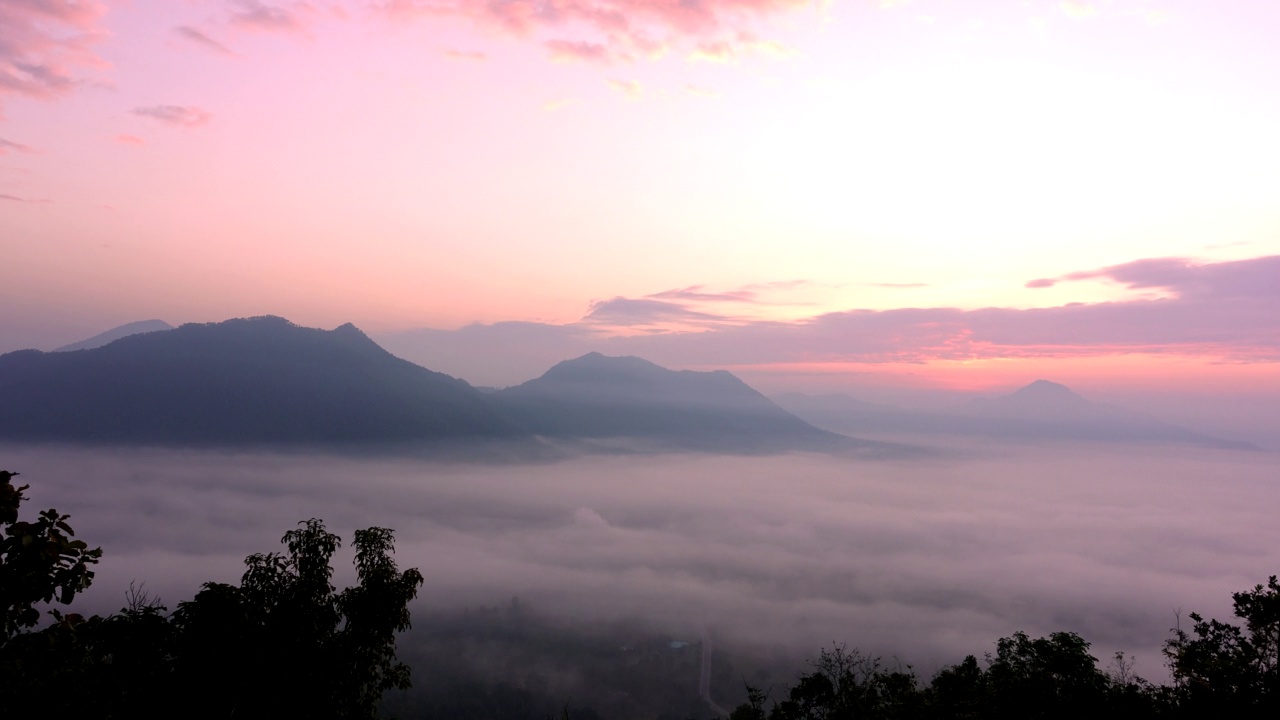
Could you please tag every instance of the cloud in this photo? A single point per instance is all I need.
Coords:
(717, 52)
(554, 105)
(45, 45)
(181, 115)
(634, 312)
(630, 88)
(15, 198)
(1186, 278)
(576, 50)
(125, 139)
(203, 40)
(1226, 310)
(1078, 9)
(927, 560)
(697, 293)
(697, 90)
(257, 15)
(465, 55)
(7, 147)
(624, 28)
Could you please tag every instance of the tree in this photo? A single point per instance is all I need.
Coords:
(1045, 677)
(39, 561)
(1226, 668)
(285, 644)
(846, 684)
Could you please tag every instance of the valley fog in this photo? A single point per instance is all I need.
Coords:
(920, 560)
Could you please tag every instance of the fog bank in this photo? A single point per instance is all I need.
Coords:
(926, 560)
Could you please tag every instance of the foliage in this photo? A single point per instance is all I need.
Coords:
(282, 644)
(1048, 677)
(286, 644)
(1223, 668)
(39, 561)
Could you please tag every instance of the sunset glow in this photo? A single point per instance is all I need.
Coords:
(632, 169)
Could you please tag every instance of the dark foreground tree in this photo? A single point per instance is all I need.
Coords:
(282, 644)
(1224, 670)
(39, 561)
(285, 644)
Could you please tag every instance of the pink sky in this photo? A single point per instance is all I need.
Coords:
(938, 192)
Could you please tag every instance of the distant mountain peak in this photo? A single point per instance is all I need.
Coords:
(1047, 388)
(349, 330)
(1040, 399)
(133, 328)
(595, 364)
(597, 396)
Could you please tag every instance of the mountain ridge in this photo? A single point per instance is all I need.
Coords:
(1041, 410)
(595, 396)
(257, 380)
(115, 333)
(265, 381)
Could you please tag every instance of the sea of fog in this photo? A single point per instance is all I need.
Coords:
(920, 560)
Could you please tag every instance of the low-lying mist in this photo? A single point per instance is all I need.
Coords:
(922, 560)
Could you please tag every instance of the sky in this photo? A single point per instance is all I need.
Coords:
(927, 193)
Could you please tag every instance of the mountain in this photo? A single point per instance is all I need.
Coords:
(1041, 401)
(1043, 410)
(133, 328)
(256, 381)
(599, 398)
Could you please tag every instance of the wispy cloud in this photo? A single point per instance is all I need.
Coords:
(45, 45)
(578, 50)
(1229, 311)
(720, 51)
(1187, 278)
(202, 40)
(698, 293)
(560, 104)
(630, 88)
(7, 146)
(15, 198)
(257, 15)
(465, 55)
(625, 28)
(180, 115)
(638, 312)
(1078, 8)
(126, 139)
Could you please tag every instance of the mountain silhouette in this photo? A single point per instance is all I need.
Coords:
(258, 381)
(1040, 400)
(102, 338)
(597, 397)
(1042, 410)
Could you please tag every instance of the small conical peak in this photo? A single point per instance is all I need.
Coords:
(1046, 387)
(1044, 391)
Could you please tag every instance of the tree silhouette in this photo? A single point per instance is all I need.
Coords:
(39, 561)
(283, 644)
(1228, 669)
(286, 644)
